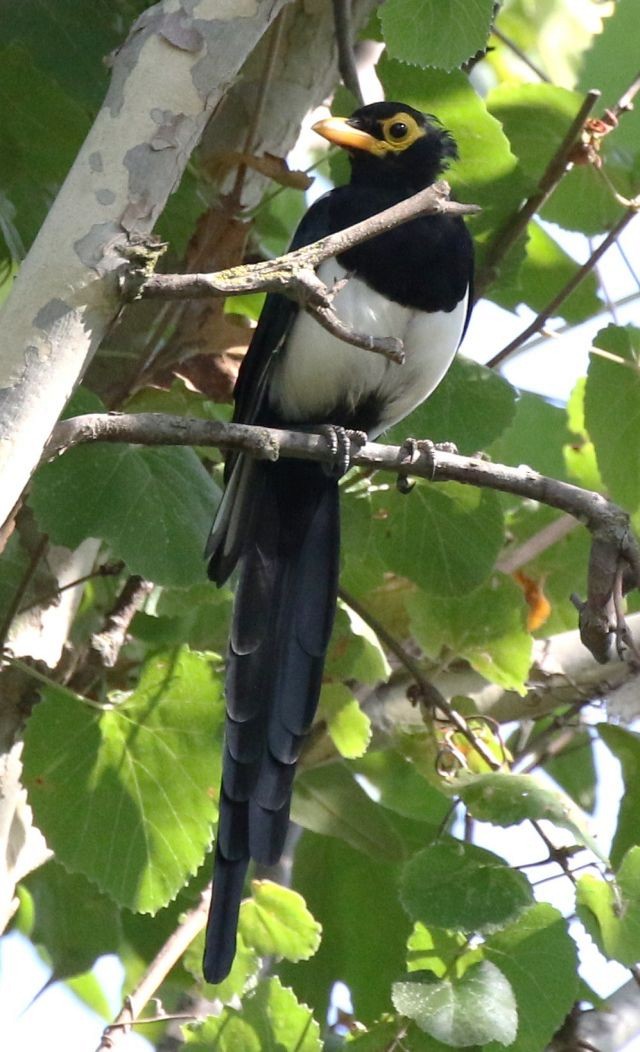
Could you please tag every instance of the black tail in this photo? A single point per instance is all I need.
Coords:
(283, 615)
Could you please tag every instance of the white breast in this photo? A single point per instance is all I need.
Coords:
(318, 371)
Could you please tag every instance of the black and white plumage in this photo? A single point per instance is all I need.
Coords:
(279, 522)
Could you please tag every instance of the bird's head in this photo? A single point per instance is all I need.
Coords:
(391, 143)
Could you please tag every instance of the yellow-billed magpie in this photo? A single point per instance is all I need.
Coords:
(280, 521)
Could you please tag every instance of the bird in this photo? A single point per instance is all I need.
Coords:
(278, 522)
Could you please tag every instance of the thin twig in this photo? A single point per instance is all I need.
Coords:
(556, 854)
(508, 42)
(513, 558)
(344, 40)
(23, 584)
(544, 335)
(155, 974)
(625, 102)
(553, 173)
(273, 48)
(111, 569)
(429, 694)
(552, 307)
(108, 642)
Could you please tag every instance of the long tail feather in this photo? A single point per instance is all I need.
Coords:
(283, 616)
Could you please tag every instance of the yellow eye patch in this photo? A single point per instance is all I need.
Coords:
(400, 131)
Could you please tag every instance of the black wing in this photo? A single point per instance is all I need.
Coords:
(276, 319)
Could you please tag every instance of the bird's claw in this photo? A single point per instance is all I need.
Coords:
(408, 454)
(410, 450)
(339, 440)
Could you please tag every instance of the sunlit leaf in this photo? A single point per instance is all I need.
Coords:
(473, 1010)
(461, 886)
(124, 794)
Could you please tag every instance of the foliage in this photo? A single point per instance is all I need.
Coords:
(440, 941)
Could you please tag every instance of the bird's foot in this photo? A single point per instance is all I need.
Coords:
(410, 450)
(339, 440)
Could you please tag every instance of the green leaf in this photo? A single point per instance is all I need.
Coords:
(277, 218)
(582, 466)
(420, 32)
(625, 746)
(33, 163)
(357, 904)
(271, 1020)
(198, 616)
(68, 40)
(612, 411)
(473, 1010)
(152, 506)
(471, 407)
(536, 437)
(506, 799)
(363, 567)
(584, 202)
(19, 565)
(242, 977)
(328, 800)
(88, 990)
(487, 173)
(539, 958)
(381, 1037)
(355, 651)
(611, 64)
(574, 770)
(73, 921)
(445, 538)
(536, 118)
(487, 629)
(545, 270)
(437, 950)
(348, 726)
(125, 794)
(461, 886)
(276, 922)
(611, 914)
(399, 787)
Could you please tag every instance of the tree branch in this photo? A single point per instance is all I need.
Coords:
(579, 276)
(428, 694)
(108, 642)
(156, 973)
(556, 168)
(613, 549)
(293, 274)
(346, 57)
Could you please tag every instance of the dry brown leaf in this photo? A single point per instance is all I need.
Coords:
(274, 168)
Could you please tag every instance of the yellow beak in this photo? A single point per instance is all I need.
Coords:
(339, 131)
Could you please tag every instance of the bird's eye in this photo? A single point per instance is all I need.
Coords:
(398, 130)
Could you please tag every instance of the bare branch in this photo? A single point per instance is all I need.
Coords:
(346, 57)
(429, 695)
(579, 276)
(511, 44)
(155, 974)
(513, 558)
(108, 642)
(613, 543)
(293, 274)
(554, 172)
